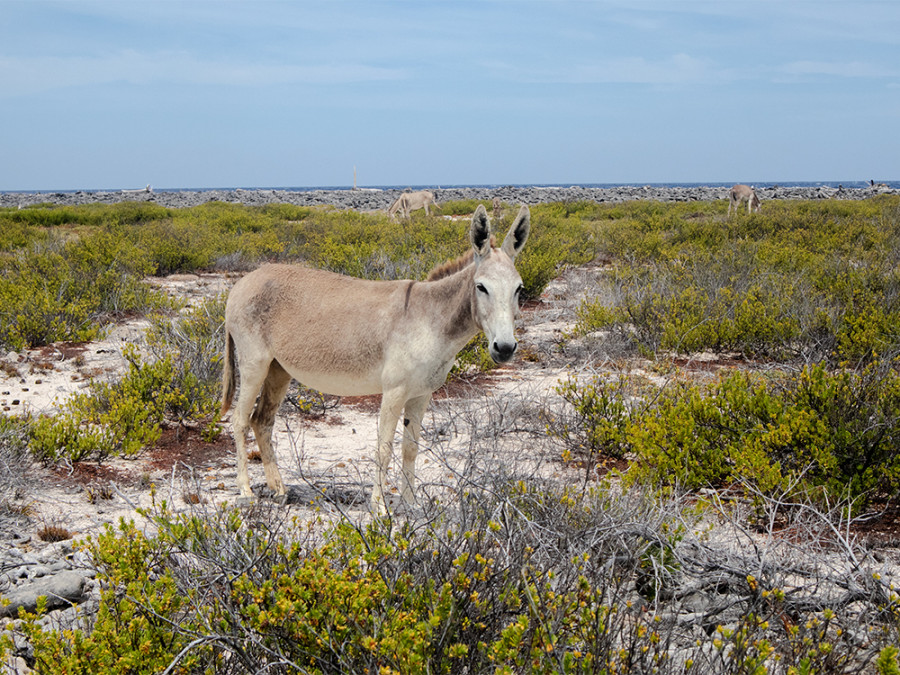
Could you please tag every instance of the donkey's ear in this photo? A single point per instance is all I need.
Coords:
(480, 232)
(518, 233)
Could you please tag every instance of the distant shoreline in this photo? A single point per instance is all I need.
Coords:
(380, 198)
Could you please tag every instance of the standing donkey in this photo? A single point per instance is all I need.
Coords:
(410, 201)
(740, 194)
(352, 337)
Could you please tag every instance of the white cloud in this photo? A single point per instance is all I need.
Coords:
(29, 75)
(674, 70)
(854, 69)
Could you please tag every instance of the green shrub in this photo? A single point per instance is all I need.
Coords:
(87, 215)
(194, 343)
(118, 418)
(375, 598)
(600, 421)
(65, 290)
(818, 430)
(67, 436)
(474, 357)
(132, 631)
(65, 284)
(516, 578)
(464, 207)
(804, 280)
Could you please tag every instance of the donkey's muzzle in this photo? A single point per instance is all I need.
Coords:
(502, 352)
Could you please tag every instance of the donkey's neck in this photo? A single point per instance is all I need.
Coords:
(450, 299)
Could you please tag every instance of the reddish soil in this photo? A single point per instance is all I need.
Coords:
(882, 529)
(179, 445)
(90, 473)
(370, 404)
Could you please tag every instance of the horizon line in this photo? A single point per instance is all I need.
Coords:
(455, 186)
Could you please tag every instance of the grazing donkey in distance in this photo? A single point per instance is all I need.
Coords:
(740, 194)
(352, 337)
(410, 201)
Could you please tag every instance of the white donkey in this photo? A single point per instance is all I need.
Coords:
(410, 201)
(740, 194)
(351, 337)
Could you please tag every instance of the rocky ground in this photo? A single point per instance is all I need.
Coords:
(370, 199)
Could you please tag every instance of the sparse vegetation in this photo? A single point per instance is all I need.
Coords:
(64, 272)
(54, 530)
(832, 434)
(14, 465)
(658, 569)
(804, 282)
(516, 577)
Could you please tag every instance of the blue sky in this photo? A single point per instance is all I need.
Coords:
(108, 95)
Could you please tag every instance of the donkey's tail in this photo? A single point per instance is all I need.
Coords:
(227, 375)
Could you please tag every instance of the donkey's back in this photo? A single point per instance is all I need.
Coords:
(327, 330)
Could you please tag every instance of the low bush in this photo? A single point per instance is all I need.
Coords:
(65, 271)
(515, 578)
(194, 342)
(464, 207)
(180, 384)
(47, 215)
(817, 432)
(804, 281)
(67, 289)
(118, 418)
(14, 467)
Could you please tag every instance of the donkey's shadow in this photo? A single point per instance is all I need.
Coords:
(311, 494)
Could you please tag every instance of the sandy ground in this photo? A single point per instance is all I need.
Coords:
(330, 453)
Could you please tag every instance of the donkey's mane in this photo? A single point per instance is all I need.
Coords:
(454, 266)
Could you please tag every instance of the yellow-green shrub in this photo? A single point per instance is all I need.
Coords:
(119, 418)
(521, 578)
(809, 279)
(818, 430)
(64, 290)
(132, 632)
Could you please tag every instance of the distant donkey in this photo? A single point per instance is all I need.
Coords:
(410, 201)
(740, 194)
(498, 208)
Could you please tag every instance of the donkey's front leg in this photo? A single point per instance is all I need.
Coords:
(412, 431)
(391, 407)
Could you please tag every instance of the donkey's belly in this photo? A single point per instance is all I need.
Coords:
(338, 383)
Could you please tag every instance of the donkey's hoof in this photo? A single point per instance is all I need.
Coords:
(281, 500)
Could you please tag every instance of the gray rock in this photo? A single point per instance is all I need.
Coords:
(38, 571)
(381, 199)
(14, 665)
(61, 590)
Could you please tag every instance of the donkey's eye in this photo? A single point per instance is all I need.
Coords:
(481, 288)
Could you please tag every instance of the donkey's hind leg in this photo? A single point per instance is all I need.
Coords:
(252, 376)
(263, 420)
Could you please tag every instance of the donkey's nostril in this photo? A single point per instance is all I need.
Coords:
(503, 351)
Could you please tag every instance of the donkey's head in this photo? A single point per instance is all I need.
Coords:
(497, 283)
